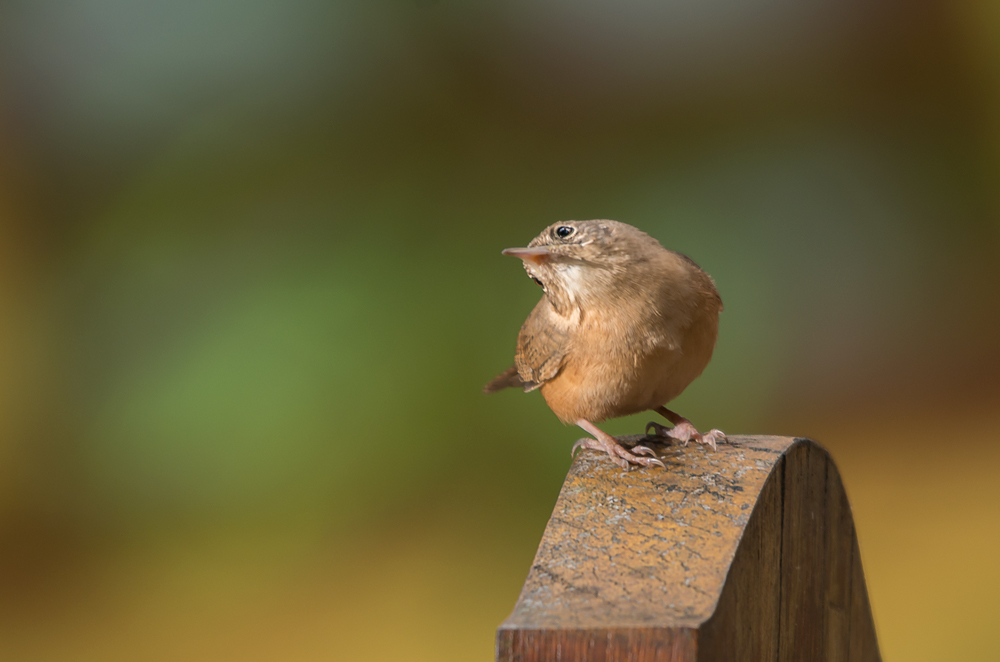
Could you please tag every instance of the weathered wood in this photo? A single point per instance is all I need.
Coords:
(745, 553)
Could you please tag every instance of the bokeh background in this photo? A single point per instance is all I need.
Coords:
(251, 286)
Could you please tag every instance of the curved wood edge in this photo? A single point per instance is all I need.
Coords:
(748, 553)
(796, 588)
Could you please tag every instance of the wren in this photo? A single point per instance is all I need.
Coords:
(624, 325)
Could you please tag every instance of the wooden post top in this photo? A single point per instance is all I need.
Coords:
(643, 558)
(646, 546)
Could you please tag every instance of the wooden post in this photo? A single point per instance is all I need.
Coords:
(744, 553)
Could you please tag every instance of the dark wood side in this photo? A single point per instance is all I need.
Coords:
(796, 589)
(670, 565)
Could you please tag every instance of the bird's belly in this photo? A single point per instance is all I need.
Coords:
(596, 390)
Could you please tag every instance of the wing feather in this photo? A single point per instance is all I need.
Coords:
(541, 346)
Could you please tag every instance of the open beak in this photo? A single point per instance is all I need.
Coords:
(533, 255)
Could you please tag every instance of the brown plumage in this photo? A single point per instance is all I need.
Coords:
(624, 325)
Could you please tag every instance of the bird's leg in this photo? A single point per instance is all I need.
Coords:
(619, 455)
(683, 431)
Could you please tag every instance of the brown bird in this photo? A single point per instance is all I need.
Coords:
(624, 325)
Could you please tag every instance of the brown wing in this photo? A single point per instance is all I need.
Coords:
(541, 347)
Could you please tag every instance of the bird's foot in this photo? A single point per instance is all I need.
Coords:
(603, 441)
(619, 454)
(684, 432)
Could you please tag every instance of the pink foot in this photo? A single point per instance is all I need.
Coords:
(685, 432)
(618, 454)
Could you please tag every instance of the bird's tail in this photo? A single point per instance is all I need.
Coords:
(506, 379)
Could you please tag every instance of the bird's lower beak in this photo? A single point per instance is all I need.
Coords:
(534, 255)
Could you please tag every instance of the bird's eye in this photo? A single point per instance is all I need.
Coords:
(564, 231)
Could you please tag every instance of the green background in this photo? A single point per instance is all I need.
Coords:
(251, 287)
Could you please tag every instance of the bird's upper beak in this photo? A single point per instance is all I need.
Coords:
(533, 255)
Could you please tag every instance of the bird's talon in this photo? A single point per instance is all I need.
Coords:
(714, 437)
(616, 452)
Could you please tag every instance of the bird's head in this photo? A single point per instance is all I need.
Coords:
(574, 261)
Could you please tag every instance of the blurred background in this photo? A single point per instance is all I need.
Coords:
(251, 286)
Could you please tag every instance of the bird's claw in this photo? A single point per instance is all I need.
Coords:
(619, 455)
(713, 437)
(684, 432)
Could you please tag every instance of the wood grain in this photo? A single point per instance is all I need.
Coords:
(745, 553)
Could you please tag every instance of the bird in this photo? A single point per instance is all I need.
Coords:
(624, 325)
